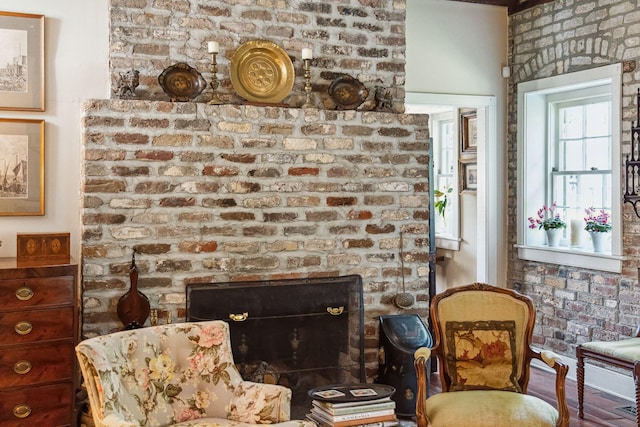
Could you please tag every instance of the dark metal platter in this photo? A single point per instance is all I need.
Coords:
(182, 82)
(347, 92)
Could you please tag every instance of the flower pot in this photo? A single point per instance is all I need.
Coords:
(598, 240)
(553, 237)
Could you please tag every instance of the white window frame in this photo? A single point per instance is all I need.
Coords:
(451, 240)
(531, 140)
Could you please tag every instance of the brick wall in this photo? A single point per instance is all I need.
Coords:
(231, 192)
(564, 36)
(217, 193)
(361, 38)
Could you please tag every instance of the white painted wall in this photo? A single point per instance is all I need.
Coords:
(456, 48)
(460, 48)
(77, 65)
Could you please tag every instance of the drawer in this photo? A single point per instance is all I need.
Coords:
(28, 326)
(32, 292)
(37, 406)
(36, 364)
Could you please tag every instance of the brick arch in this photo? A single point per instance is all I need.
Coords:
(545, 62)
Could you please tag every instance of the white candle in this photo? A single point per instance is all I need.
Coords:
(307, 53)
(576, 232)
(214, 47)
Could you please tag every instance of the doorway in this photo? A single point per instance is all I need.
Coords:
(480, 255)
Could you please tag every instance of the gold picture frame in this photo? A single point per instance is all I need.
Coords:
(468, 176)
(21, 61)
(21, 167)
(468, 132)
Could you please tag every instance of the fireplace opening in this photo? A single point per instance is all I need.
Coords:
(300, 333)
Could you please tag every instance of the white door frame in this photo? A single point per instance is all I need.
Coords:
(491, 235)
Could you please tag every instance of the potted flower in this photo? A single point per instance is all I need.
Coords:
(597, 224)
(549, 220)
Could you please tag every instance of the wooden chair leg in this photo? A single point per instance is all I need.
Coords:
(580, 380)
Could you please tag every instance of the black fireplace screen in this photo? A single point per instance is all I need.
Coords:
(300, 333)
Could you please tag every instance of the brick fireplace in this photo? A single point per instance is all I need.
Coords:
(219, 193)
(215, 193)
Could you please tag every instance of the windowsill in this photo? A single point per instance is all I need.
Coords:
(447, 242)
(573, 258)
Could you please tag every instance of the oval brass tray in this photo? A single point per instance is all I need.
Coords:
(182, 82)
(348, 92)
(261, 71)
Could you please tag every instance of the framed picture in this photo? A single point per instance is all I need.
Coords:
(468, 132)
(468, 176)
(21, 167)
(21, 61)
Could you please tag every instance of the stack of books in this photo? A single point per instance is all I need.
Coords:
(370, 413)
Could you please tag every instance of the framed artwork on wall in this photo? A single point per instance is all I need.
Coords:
(468, 176)
(21, 61)
(468, 132)
(21, 167)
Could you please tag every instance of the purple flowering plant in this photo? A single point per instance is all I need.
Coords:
(547, 219)
(597, 221)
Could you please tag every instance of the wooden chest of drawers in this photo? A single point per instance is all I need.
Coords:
(38, 333)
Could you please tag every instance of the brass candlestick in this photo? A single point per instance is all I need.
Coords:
(214, 81)
(307, 84)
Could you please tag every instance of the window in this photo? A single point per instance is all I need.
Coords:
(569, 153)
(444, 161)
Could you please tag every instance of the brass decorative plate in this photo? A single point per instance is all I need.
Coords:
(182, 82)
(261, 71)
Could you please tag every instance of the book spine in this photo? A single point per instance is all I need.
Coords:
(324, 423)
(349, 404)
(355, 409)
(372, 420)
(354, 416)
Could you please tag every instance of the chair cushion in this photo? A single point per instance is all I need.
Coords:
(482, 355)
(628, 349)
(489, 408)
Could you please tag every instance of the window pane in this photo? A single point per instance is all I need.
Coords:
(571, 122)
(444, 222)
(447, 147)
(572, 156)
(597, 119)
(580, 191)
(598, 154)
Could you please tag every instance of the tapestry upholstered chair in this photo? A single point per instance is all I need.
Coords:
(178, 374)
(622, 354)
(482, 340)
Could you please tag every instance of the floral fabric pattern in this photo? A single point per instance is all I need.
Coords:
(179, 374)
(482, 355)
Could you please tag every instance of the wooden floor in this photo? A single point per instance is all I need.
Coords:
(600, 409)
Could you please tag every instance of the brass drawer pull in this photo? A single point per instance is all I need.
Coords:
(239, 317)
(23, 327)
(24, 294)
(22, 411)
(22, 367)
(335, 311)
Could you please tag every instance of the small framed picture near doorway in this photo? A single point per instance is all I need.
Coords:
(468, 132)
(21, 167)
(468, 177)
(21, 61)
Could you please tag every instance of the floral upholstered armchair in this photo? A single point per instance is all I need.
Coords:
(179, 374)
(483, 340)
